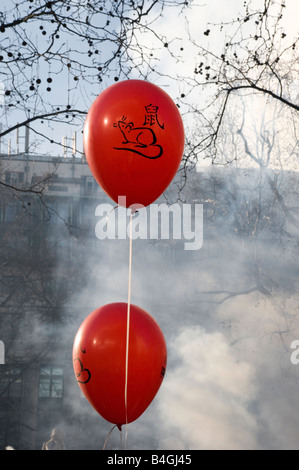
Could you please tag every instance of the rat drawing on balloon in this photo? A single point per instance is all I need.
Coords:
(141, 140)
(119, 352)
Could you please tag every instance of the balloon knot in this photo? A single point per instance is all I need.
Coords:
(119, 426)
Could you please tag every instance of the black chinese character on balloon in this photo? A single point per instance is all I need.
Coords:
(151, 116)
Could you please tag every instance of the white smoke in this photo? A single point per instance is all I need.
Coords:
(229, 315)
(204, 401)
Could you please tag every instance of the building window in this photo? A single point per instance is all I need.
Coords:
(11, 211)
(89, 183)
(11, 382)
(51, 382)
(14, 178)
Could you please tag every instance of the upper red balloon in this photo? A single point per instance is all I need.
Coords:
(99, 359)
(134, 141)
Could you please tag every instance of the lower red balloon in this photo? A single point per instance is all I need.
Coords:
(99, 359)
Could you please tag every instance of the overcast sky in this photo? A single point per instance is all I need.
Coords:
(199, 17)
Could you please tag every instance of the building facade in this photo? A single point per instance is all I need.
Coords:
(45, 207)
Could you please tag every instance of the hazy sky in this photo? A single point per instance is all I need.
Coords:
(199, 17)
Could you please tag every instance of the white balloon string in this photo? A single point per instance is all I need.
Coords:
(109, 214)
(128, 329)
(107, 438)
(121, 439)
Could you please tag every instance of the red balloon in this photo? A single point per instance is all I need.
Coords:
(99, 359)
(134, 141)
